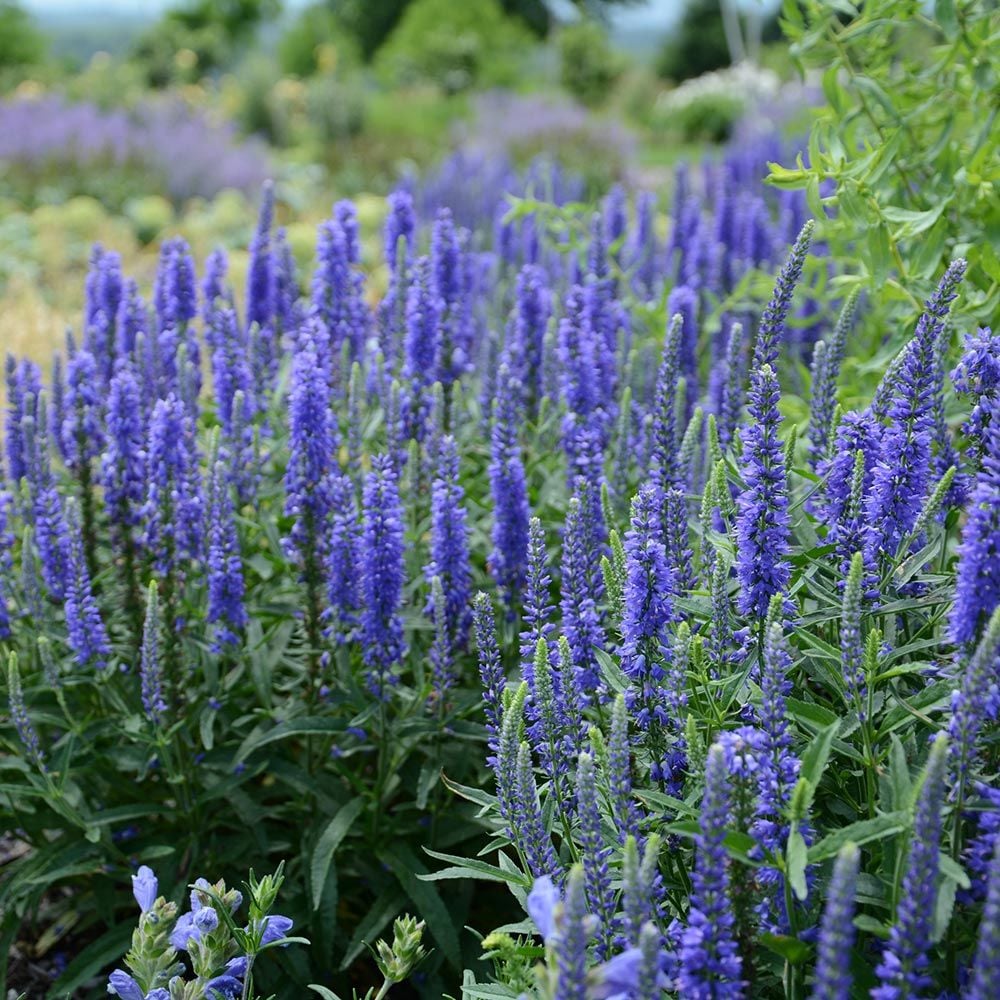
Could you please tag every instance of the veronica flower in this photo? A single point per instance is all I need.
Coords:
(571, 942)
(214, 289)
(683, 302)
(224, 563)
(260, 272)
(342, 545)
(827, 359)
(45, 512)
(579, 351)
(132, 320)
(666, 438)
(312, 436)
(762, 520)
(851, 639)
(778, 765)
(976, 700)
(644, 249)
(231, 371)
(24, 383)
(730, 392)
(532, 837)
(836, 937)
(641, 887)
(626, 811)
(421, 346)
(986, 967)
(536, 607)
(19, 715)
(710, 965)
(448, 281)
(903, 969)
(532, 309)
(102, 299)
(449, 546)
(771, 329)
(286, 286)
(491, 671)
(87, 636)
(173, 512)
(382, 576)
(580, 622)
(553, 725)
(509, 490)
(597, 879)
(83, 425)
(123, 462)
(977, 578)
(338, 296)
(977, 375)
(398, 238)
(175, 295)
(6, 563)
(856, 432)
(900, 479)
(648, 605)
(57, 405)
(151, 678)
(676, 540)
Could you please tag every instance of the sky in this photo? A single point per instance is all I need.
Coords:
(650, 11)
(657, 15)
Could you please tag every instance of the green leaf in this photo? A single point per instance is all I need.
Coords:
(407, 868)
(818, 753)
(472, 868)
(866, 922)
(306, 726)
(791, 949)
(108, 948)
(953, 871)
(879, 253)
(796, 858)
(944, 14)
(327, 845)
(385, 907)
(944, 906)
(862, 832)
(323, 992)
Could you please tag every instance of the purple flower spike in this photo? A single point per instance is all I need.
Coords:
(710, 962)
(833, 975)
(762, 520)
(903, 969)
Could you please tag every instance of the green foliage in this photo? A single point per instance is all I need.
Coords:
(252, 769)
(708, 117)
(904, 160)
(588, 65)
(455, 46)
(213, 30)
(21, 43)
(312, 39)
(697, 45)
(372, 22)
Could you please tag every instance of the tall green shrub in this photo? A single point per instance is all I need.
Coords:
(904, 158)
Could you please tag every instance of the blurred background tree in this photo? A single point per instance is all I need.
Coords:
(200, 36)
(588, 65)
(713, 34)
(21, 43)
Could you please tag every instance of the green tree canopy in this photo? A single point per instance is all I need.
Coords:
(21, 43)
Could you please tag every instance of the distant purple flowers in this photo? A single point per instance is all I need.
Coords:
(188, 153)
